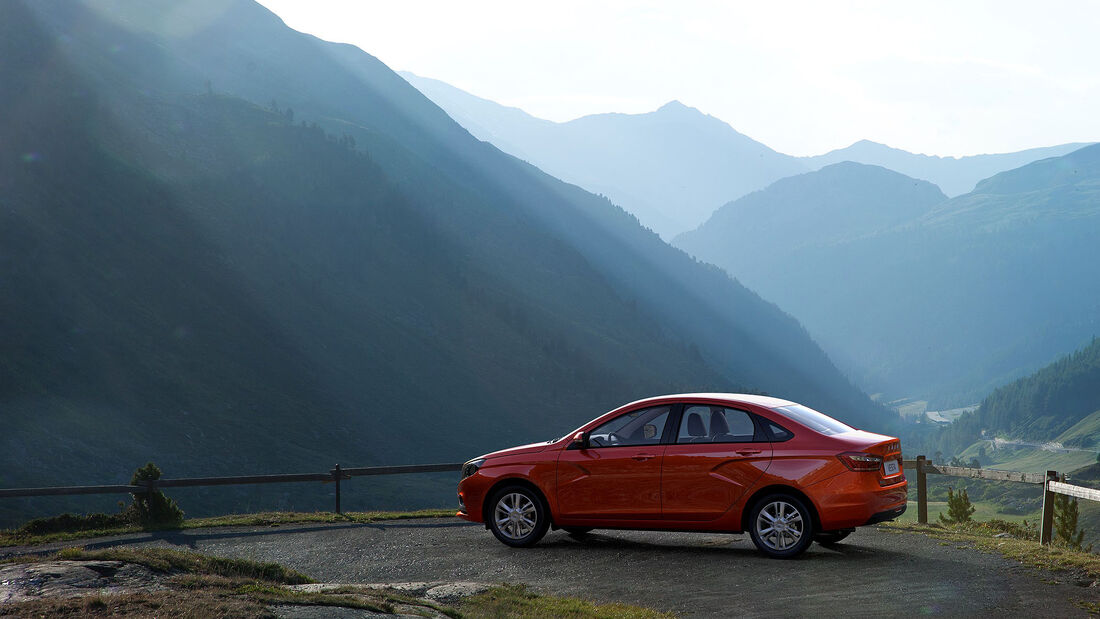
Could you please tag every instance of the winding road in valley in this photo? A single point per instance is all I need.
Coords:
(876, 573)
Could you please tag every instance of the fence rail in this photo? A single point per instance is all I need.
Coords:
(1052, 483)
(335, 475)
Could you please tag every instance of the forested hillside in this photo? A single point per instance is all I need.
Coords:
(238, 249)
(1040, 407)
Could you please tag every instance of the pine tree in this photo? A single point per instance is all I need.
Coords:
(152, 509)
(959, 508)
(1065, 521)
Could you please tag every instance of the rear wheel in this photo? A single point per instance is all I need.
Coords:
(828, 538)
(781, 526)
(517, 516)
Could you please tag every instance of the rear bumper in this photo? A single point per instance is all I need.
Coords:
(889, 514)
(855, 499)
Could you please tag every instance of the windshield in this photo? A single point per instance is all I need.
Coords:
(819, 422)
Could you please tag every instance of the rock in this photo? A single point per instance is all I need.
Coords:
(20, 582)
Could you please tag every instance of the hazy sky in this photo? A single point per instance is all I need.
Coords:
(946, 78)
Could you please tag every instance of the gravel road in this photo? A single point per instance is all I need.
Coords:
(875, 572)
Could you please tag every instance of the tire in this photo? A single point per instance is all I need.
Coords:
(781, 526)
(517, 516)
(577, 531)
(828, 538)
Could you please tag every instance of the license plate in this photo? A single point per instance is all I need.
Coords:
(890, 467)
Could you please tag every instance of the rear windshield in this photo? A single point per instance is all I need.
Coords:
(819, 422)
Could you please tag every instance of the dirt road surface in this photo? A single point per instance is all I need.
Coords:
(874, 573)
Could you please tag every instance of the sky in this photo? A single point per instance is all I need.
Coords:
(943, 78)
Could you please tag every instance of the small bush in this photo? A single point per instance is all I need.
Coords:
(153, 509)
(1065, 522)
(72, 522)
(959, 508)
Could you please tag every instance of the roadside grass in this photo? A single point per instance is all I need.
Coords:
(983, 511)
(1020, 544)
(518, 601)
(204, 586)
(68, 527)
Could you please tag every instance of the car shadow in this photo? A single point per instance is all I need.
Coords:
(725, 545)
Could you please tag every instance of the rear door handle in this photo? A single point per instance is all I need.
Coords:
(748, 452)
(643, 457)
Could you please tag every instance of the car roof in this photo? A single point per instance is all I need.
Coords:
(733, 398)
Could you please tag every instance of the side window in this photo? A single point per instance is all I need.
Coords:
(779, 433)
(642, 427)
(715, 424)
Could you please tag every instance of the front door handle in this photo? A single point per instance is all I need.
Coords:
(643, 457)
(748, 452)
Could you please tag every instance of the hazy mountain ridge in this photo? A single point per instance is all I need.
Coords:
(401, 282)
(670, 167)
(664, 195)
(975, 292)
(954, 175)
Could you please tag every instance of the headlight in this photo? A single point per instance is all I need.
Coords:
(471, 467)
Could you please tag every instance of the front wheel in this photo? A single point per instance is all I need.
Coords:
(517, 516)
(781, 526)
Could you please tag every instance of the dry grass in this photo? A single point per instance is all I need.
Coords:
(1021, 545)
(517, 601)
(204, 586)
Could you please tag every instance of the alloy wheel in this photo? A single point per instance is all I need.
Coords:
(515, 515)
(779, 525)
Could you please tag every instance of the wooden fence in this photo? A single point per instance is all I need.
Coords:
(334, 475)
(1052, 483)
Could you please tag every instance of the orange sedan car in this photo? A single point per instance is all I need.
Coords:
(716, 462)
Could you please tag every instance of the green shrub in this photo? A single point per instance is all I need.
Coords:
(1065, 522)
(959, 508)
(152, 509)
(72, 522)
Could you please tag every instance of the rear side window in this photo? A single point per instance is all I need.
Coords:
(818, 422)
(779, 433)
(716, 424)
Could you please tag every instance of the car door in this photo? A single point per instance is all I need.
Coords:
(718, 453)
(618, 475)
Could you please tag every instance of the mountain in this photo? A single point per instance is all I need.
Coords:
(671, 168)
(1048, 405)
(233, 248)
(945, 302)
(839, 202)
(954, 175)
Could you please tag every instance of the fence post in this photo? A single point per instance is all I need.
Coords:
(336, 475)
(1047, 528)
(922, 492)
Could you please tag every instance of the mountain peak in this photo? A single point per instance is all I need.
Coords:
(675, 107)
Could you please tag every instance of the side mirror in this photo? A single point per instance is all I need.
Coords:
(580, 441)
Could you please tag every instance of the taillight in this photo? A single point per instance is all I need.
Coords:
(859, 461)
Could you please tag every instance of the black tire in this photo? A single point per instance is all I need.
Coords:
(781, 526)
(577, 531)
(527, 526)
(828, 538)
